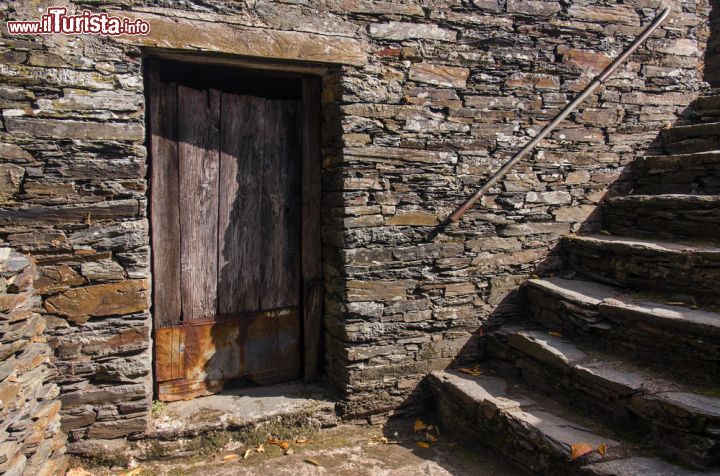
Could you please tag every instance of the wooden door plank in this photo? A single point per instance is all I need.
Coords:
(281, 207)
(272, 220)
(311, 250)
(291, 155)
(199, 152)
(240, 241)
(164, 210)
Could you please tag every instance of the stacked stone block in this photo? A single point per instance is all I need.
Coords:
(31, 441)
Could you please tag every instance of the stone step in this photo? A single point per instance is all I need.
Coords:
(668, 216)
(706, 107)
(670, 416)
(691, 138)
(692, 145)
(612, 320)
(705, 129)
(487, 410)
(697, 173)
(691, 271)
(636, 466)
(663, 163)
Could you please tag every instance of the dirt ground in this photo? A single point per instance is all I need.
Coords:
(402, 447)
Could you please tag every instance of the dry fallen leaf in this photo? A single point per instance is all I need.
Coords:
(580, 449)
(301, 440)
(431, 438)
(312, 462)
(423, 444)
(231, 457)
(602, 449)
(247, 453)
(419, 425)
(380, 439)
(474, 371)
(272, 440)
(284, 445)
(553, 333)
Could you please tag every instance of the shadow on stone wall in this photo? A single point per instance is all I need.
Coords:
(512, 307)
(712, 54)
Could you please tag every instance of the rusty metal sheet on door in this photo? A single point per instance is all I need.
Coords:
(198, 357)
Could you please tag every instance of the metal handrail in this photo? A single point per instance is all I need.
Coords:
(600, 80)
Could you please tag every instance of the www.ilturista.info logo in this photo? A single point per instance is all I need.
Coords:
(56, 20)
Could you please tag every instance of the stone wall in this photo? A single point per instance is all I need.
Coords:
(712, 54)
(422, 102)
(31, 441)
(452, 99)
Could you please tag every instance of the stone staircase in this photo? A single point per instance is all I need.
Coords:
(619, 356)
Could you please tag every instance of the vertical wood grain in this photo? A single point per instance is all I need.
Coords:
(281, 206)
(311, 249)
(199, 152)
(164, 210)
(240, 240)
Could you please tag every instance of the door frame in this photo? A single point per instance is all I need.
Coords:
(312, 285)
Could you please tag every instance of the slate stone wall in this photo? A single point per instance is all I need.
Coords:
(31, 441)
(712, 53)
(422, 103)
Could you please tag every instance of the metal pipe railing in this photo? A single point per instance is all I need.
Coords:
(600, 80)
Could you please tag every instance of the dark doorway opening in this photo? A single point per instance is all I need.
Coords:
(235, 220)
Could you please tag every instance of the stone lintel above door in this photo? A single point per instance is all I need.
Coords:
(215, 36)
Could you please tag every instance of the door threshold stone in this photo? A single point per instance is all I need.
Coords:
(236, 409)
(192, 427)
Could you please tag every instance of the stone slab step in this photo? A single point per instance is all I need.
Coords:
(669, 216)
(692, 145)
(647, 264)
(680, 173)
(483, 410)
(612, 320)
(664, 163)
(684, 424)
(705, 108)
(638, 466)
(615, 301)
(705, 129)
(700, 137)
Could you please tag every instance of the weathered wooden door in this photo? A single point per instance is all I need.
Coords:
(227, 228)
